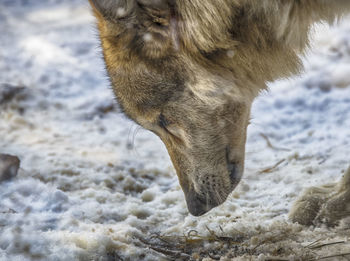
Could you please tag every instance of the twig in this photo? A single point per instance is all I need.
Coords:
(269, 144)
(9, 211)
(270, 169)
(322, 161)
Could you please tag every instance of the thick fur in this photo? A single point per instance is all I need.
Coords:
(323, 205)
(189, 70)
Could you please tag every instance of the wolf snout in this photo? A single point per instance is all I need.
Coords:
(196, 205)
(209, 197)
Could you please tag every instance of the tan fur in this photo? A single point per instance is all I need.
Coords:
(189, 70)
(328, 204)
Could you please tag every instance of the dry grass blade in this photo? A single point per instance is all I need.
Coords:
(332, 256)
(212, 233)
(223, 239)
(313, 243)
(183, 247)
(269, 144)
(171, 253)
(166, 249)
(277, 258)
(270, 169)
(260, 244)
(326, 244)
(164, 239)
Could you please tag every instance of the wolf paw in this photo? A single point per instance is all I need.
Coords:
(323, 205)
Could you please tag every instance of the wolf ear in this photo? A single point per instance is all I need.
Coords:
(112, 9)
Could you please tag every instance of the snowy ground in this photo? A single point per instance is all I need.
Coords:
(94, 186)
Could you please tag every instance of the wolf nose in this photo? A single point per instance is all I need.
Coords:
(232, 170)
(196, 205)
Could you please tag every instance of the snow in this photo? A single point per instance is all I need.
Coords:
(92, 184)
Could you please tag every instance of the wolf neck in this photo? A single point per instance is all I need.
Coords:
(229, 35)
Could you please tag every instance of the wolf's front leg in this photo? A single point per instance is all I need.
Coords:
(323, 205)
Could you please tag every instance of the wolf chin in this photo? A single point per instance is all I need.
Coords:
(189, 70)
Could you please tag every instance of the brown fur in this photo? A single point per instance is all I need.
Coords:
(189, 70)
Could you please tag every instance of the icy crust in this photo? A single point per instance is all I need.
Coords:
(93, 186)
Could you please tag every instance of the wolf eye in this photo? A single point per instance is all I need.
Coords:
(162, 121)
(171, 129)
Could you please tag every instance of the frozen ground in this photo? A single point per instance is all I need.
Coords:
(93, 186)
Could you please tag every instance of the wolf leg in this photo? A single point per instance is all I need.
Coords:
(323, 205)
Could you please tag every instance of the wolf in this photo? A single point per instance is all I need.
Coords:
(189, 70)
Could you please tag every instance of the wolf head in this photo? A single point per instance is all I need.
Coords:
(172, 70)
